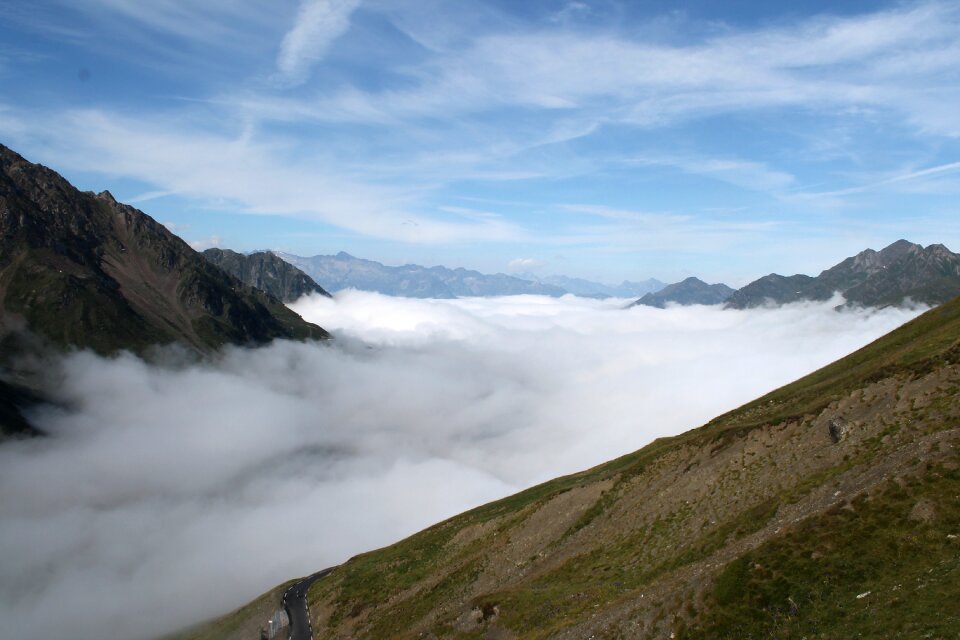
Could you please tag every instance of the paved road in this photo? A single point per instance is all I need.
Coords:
(295, 602)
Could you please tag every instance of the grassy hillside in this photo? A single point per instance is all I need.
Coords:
(828, 508)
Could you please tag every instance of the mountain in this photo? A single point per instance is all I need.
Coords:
(591, 289)
(690, 291)
(344, 271)
(82, 270)
(825, 509)
(630, 289)
(267, 272)
(929, 275)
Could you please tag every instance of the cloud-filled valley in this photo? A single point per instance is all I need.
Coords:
(166, 494)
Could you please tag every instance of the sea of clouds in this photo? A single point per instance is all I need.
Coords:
(166, 494)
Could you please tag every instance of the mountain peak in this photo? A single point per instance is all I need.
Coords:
(897, 250)
(106, 196)
(690, 291)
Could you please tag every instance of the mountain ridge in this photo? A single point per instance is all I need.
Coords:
(344, 271)
(82, 270)
(901, 271)
(267, 272)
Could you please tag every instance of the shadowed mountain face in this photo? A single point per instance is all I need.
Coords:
(827, 508)
(82, 270)
(344, 271)
(265, 271)
(13, 399)
(929, 275)
(690, 291)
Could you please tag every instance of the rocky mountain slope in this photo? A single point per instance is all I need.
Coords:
(690, 291)
(344, 271)
(929, 275)
(267, 272)
(825, 509)
(83, 270)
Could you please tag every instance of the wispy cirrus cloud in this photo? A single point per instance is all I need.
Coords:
(743, 173)
(211, 21)
(318, 24)
(246, 175)
(824, 62)
(907, 180)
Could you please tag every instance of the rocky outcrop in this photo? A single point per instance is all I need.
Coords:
(838, 427)
(267, 272)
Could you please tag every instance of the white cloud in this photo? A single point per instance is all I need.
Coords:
(206, 243)
(903, 181)
(744, 173)
(519, 265)
(243, 174)
(199, 486)
(209, 21)
(820, 63)
(318, 24)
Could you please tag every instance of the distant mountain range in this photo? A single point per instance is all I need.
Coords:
(266, 272)
(690, 291)
(344, 271)
(591, 289)
(891, 276)
(83, 270)
(901, 271)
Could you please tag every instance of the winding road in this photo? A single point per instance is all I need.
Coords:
(295, 603)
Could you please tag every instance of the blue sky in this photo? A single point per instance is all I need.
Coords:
(609, 140)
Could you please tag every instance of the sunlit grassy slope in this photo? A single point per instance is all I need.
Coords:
(760, 524)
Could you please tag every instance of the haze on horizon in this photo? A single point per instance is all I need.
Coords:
(167, 494)
(609, 140)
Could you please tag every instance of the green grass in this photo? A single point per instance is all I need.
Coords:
(916, 348)
(805, 584)
(73, 311)
(373, 578)
(613, 572)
